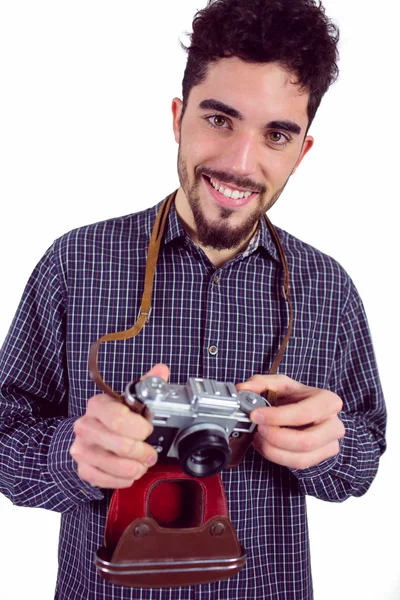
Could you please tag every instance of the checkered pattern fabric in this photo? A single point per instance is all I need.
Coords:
(90, 283)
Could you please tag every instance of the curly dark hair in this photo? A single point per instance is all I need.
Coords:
(295, 33)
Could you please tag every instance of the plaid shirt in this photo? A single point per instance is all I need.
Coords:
(89, 283)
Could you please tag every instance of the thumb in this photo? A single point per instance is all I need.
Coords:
(159, 370)
(283, 386)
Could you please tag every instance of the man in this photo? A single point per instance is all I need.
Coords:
(255, 76)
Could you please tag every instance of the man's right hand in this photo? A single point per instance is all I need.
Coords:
(109, 446)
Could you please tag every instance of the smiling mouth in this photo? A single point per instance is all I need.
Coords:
(229, 191)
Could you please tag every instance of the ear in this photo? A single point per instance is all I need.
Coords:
(307, 145)
(176, 116)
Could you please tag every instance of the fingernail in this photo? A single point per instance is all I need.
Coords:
(263, 430)
(151, 460)
(257, 417)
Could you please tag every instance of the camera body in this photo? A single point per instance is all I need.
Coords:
(204, 424)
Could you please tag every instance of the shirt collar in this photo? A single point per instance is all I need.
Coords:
(174, 227)
(266, 241)
(262, 237)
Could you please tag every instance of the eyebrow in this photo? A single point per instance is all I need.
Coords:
(221, 107)
(212, 104)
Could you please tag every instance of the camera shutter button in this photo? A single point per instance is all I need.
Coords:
(252, 399)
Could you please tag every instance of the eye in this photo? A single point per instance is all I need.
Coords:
(278, 138)
(218, 122)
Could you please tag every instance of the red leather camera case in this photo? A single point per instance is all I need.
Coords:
(169, 530)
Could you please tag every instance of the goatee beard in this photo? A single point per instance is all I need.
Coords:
(221, 236)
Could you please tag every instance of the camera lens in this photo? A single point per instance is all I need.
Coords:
(203, 453)
(203, 456)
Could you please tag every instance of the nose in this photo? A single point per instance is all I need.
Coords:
(241, 155)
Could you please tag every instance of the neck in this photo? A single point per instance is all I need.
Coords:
(218, 257)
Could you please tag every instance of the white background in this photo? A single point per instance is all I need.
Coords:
(85, 134)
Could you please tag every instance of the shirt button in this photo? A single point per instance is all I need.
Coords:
(217, 280)
(213, 350)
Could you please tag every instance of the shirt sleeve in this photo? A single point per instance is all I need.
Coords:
(36, 433)
(355, 379)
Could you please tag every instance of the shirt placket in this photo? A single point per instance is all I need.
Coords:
(213, 347)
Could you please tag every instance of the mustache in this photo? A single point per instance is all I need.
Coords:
(242, 182)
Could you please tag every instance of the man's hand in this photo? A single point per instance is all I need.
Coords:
(303, 430)
(109, 445)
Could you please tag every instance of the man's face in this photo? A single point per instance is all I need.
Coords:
(240, 139)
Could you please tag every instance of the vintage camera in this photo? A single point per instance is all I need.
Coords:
(204, 424)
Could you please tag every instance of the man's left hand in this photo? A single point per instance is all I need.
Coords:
(303, 430)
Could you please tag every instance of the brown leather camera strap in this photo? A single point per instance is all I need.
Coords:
(145, 307)
(152, 256)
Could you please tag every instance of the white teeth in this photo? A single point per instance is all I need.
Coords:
(235, 194)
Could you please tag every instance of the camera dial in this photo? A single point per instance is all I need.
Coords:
(152, 388)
